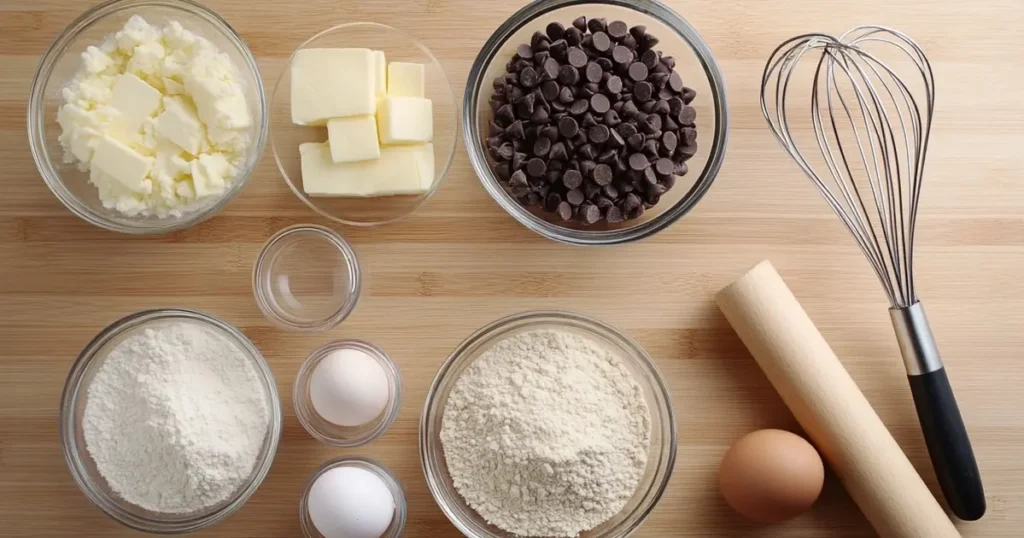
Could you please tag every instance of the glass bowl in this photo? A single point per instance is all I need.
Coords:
(694, 62)
(401, 509)
(76, 454)
(285, 136)
(306, 278)
(59, 65)
(661, 454)
(346, 436)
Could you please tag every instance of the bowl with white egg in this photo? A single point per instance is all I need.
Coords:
(147, 116)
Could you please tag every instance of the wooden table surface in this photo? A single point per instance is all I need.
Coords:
(460, 262)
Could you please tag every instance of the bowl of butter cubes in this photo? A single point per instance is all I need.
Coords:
(364, 123)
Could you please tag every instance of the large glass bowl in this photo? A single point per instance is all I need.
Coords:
(660, 457)
(694, 62)
(285, 136)
(63, 59)
(83, 469)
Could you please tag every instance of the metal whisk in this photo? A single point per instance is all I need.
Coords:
(870, 136)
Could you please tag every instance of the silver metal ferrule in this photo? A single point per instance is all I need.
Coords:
(917, 344)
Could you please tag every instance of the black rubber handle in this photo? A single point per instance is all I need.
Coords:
(948, 444)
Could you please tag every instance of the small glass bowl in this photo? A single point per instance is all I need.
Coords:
(285, 136)
(695, 64)
(83, 468)
(401, 509)
(346, 436)
(306, 278)
(63, 59)
(660, 456)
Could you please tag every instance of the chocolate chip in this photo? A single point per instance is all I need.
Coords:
(581, 23)
(525, 51)
(515, 130)
(558, 151)
(505, 115)
(550, 68)
(664, 166)
(565, 211)
(586, 151)
(573, 36)
(578, 107)
(607, 156)
(597, 25)
(648, 42)
(621, 55)
(614, 215)
(669, 181)
(659, 80)
(565, 95)
(643, 91)
(589, 89)
(536, 167)
(590, 213)
(599, 134)
(651, 147)
(568, 127)
(606, 65)
(669, 141)
(518, 158)
(638, 161)
(649, 58)
(611, 118)
(617, 29)
(650, 177)
(540, 115)
(615, 140)
(688, 95)
(559, 49)
(638, 31)
(613, 84)
(675, 82)
(635, 141)
(577, 58)
(594, 72)
(555, 31)
(669, 124)
(688, 150)
(661, 107)
(602, 174)
(629, 42)
(552, 201)
(542, 146)
(502, 170)
(572, 179)
(687, 115)
(550, 90)
(574, 197)
(587, 168)
(601, 42)
(647, 107)
(652, 123)
(588, 121)
(637, 71)
(518, 183)
(550, 132)
(539, 37)
(600, 104)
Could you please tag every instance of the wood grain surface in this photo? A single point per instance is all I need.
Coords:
(461, 262)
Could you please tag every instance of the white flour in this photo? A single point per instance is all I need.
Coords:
(546, 434)
(175, 418)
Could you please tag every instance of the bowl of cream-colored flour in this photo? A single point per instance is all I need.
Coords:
(170, 420)
(548, 424)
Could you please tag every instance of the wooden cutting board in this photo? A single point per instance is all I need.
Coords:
(461, 262)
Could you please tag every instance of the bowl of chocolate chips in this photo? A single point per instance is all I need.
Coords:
(596, 123)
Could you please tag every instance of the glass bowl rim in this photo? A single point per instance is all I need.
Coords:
(390, 412)
(386, 475)
(36, 118)
(449, 159)
(478, 159)
(637, 354)
(354, 278)
(73, 391)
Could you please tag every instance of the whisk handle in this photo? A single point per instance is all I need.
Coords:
(943, 427)
(948, 444)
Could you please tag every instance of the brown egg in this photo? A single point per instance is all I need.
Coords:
(771, 475)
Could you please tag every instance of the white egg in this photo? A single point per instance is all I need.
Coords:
(349, 388)
(350, 502)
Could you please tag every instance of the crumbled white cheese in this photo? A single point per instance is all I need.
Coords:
(158, 116)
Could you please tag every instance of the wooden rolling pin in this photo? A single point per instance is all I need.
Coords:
(832, 410)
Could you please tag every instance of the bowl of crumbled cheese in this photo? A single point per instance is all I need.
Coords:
(548, 424)
(147, 116)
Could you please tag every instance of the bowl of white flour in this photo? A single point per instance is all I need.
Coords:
(170, 420)
(548, 424)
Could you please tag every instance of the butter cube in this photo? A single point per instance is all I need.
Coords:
(124, 164)
(135, 100)
(219, 103)
(180, 124)
(405, 120)
(406, 80)
(353, 139)
(210, 174)
(400, 170)
(380, 69)
(332, 83)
